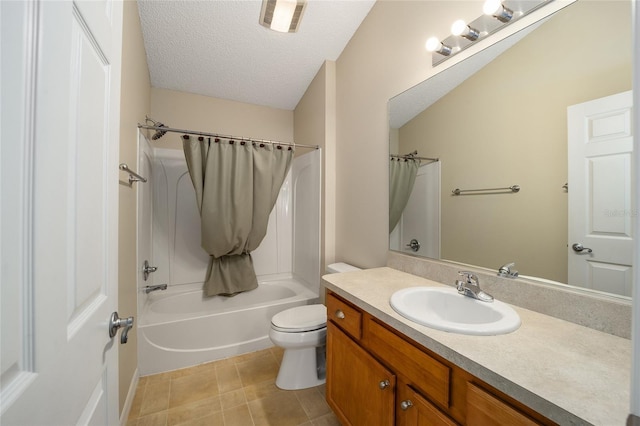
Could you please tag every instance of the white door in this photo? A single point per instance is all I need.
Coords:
(600, 242)
(59, 163)
(420, 219)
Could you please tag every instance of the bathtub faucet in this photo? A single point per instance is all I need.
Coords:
(148, 289)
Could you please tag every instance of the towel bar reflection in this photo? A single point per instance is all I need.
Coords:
(512, 188)
(133, 176)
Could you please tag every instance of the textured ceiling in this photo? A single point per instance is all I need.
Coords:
(217, 47)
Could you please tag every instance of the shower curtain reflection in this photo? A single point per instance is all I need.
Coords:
(402, 176)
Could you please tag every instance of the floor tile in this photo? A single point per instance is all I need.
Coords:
(228, 378)
(238, 416)
(193, 411)
(155, 419)
(232, 399)
(313, 403)
(278, 409)
(192, 388)
(258, 369)
(155, 399)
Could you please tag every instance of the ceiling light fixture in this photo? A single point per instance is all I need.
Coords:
(282, 15)
(498, 10)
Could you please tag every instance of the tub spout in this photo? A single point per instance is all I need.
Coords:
(148, 289)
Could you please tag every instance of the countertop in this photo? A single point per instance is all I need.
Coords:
(569, 373)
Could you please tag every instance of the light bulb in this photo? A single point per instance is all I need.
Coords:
(496, 9)
(491, 7)
(433, 44)
(458, 27)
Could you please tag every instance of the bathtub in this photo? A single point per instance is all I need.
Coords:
(179, 328)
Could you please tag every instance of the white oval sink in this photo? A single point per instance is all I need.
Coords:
(445, 309)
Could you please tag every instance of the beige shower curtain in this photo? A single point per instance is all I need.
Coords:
(237, 184)
(402, 176)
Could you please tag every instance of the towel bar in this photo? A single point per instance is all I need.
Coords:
(133, 176)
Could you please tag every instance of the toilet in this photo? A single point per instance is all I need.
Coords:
(302, 333)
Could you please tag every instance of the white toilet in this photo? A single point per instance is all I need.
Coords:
(302, 333)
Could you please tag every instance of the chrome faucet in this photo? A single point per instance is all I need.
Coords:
(148, 289)
(505, 271)
(471, 287)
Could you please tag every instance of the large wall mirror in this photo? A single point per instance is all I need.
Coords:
(547, 109)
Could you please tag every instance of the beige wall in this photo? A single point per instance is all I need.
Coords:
(314, 124)
(134, 104)
(507, 125)
(385, 57)
(187, 111)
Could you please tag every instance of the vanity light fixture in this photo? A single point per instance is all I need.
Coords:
(282, 15)
(435, 45)
(498, 10)
(496, 15)
(461, 29)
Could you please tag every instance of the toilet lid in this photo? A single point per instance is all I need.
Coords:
(301, 318)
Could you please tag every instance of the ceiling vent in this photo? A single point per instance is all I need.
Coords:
(282, 15)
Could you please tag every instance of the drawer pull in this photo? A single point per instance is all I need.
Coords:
(339, 314)
(384, 384)
(405, 405)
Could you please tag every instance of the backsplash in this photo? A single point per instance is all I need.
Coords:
(606, 314)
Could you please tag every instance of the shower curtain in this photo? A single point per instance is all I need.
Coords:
(402, 176)
(237, 184)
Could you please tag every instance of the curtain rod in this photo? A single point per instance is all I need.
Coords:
(216, 135)
(413, 157)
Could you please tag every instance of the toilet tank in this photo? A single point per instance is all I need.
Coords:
(335, 268)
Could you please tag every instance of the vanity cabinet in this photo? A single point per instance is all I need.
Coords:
(378, 376)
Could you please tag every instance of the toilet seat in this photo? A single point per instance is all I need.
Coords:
(300, 319)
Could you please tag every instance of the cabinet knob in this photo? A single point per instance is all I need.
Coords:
(384, 384)
(405, 405)
(340, 314)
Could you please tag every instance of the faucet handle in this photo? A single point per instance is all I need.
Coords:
(470, 277)
(506, 271)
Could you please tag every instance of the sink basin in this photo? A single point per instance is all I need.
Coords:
(445, 309)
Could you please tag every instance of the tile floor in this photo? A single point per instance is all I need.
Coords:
(238, 391)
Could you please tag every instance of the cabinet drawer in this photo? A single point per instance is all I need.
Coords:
(426, 373)
(344, 315)
(483, 408)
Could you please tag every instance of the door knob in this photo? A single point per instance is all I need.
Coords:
(384, 384)
(146, 269)
(115, 323)
(578, 248)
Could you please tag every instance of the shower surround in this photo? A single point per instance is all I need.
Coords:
(178, 327)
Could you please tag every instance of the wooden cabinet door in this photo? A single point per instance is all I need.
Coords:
(360, 390)
(414, 410)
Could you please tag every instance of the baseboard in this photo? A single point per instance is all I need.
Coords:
(130, 395)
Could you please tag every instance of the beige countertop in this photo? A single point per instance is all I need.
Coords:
(569, 373)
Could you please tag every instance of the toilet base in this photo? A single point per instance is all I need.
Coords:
(302, 368)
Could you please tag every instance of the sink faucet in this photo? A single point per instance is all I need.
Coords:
(505, 271)
(471, 287)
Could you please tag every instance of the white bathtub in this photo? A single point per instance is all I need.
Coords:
(179, 328)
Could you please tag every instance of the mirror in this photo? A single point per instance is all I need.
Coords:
(500, 118)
